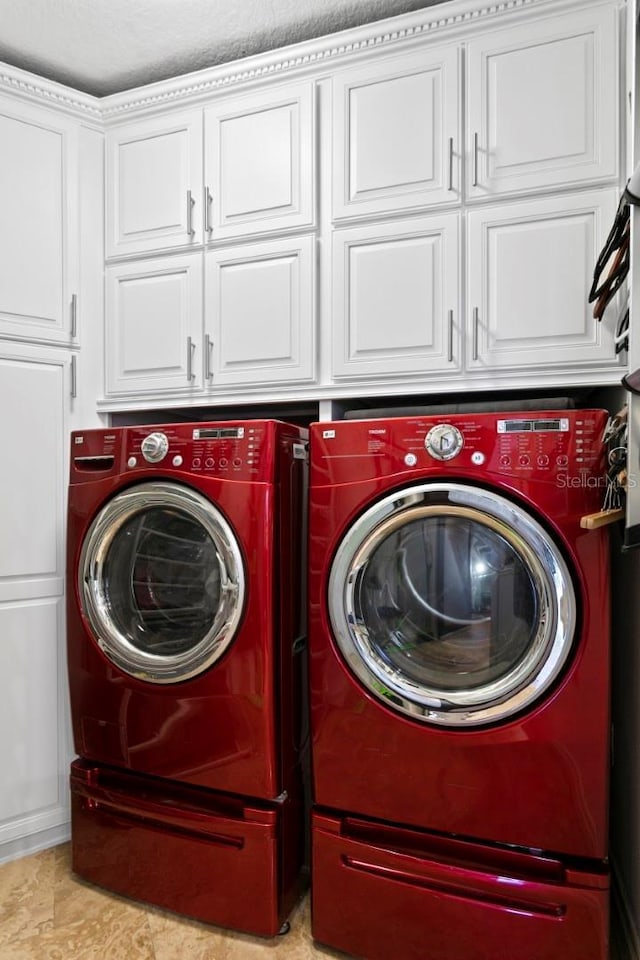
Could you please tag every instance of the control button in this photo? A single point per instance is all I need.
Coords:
(524, 460)
(196, 462)
(477, 457)
(154, 447)
(505, 461)
(444, 442)
(209, 462)
(543, 460)
(177, 461)
(562, 460)
(411, 459)
(237, 462)
(224, 462)
(131, 462)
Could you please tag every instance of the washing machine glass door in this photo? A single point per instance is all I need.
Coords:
(452, 604)
(162, 583)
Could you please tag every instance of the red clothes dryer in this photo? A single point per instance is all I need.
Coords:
(185, 656)
(459, 641)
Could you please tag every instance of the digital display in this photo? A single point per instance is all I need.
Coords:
(218, 433)
(550, 425)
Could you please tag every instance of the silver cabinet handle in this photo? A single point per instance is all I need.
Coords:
(74, 378)
(74, 315)
(207, 210)
(450, 343)
(190, 203)
(450, 184)
(474, 181)
(476, 319)
(208, 346)
(190, 348)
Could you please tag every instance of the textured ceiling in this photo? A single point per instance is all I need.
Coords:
(106, 46)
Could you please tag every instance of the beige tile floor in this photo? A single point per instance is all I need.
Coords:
(48, 914)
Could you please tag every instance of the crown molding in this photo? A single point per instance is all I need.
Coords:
(445, 20)
(43, 92)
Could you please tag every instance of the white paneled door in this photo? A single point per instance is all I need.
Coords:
(38, 224)
(154, 325)
(260, 313)
(530, 265)
(34, 748)
(396, 298)
(542, 104)
(396, 134)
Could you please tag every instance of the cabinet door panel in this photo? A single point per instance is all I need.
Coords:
(260, 312)
(396, 298)
(396, 134)
(154, 184)
(154, 321)
(30, 716)
(543, 104)
(259, 162)
(33, 399)
(38, 225)
(530, 269)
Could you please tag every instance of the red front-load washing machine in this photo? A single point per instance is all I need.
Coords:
(185, 645)
(459, 642)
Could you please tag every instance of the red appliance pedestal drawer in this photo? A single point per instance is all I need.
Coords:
(381, 891)
(215, 858)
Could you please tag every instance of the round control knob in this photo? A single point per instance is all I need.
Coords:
(154, 447)
(444, 441)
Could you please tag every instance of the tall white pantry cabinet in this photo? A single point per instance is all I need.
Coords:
(411, 207)
(50, 300)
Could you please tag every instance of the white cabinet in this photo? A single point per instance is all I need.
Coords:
(154, 184)
(260, 306)
(154, 323)
(542, 104)
(259, 162)
(35, 747)
(38, 224)
(396, 133)
(530, 265)
(396, 298)
(257, 175)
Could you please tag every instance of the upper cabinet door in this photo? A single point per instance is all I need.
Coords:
(260, 312)
(38, 224)
(154, 184)
(259, 163)
(154, 324)
(396, 134)
(396, 294)
(543, 107)
(530, 264)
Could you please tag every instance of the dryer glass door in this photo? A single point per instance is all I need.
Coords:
(452, 604)
(162, 582)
